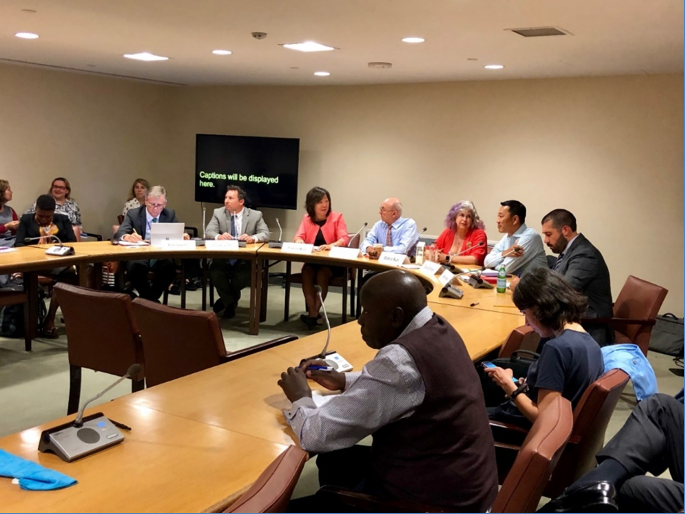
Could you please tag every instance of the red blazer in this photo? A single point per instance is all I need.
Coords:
(473, 237)
(333, 230)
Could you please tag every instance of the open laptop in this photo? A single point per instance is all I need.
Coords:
(160, 232)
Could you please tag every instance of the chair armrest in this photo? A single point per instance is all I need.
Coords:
(90, 234)
(359, 502)
(619, 321)
(507, 435)
(192, 230)
(259, 347)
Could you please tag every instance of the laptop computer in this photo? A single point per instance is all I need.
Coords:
(160, 232)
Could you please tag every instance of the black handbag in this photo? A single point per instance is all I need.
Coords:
(519, 362)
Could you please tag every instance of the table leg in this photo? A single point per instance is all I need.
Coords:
(83, 274)
(97, 271)
(265, 290)
(255, 295)
(205, 273)
(31, 287)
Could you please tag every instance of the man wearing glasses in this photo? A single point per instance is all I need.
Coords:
(395, 233)
(135, 228)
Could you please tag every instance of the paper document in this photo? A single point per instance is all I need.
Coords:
(138, 243)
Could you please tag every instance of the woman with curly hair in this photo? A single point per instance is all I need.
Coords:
(464, 240)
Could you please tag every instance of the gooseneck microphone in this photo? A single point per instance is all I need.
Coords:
(29, 239)
(280, 235)
(133, 370)
(322, 355)
(423, 230)
(467, 250)
(357, 233)
(279, 243)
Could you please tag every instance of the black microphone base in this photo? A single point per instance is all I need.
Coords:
(70, 443)
(275, 244)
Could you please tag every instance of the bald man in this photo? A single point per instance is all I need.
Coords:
(395, 233)
(419, 398)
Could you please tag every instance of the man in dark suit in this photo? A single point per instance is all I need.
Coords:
(583, 268)
(233, 221)
(135, 228)
(43, 224)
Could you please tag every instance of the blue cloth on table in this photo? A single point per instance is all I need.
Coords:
(32, 476)
(629, 358)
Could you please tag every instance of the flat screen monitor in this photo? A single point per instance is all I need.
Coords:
(265, 167)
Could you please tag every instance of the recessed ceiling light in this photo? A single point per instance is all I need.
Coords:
(309, 46)
(146, 56)
(26, 35)
(222, 52)
(413, 39)
(493, 66)
(322, 73)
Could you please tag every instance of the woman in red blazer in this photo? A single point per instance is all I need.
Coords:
(464, 235)
(323, 228)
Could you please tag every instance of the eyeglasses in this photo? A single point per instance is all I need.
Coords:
(59, 187)
(157, 205)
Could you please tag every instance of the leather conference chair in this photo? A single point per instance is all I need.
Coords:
(521, 338)
(179, 342)
(347, 281)
(14, 298)
(272, 490)
(523, 487)
(635, 312)
(102, 335)
(590, 420)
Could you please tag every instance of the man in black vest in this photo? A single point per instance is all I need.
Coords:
(419, 398)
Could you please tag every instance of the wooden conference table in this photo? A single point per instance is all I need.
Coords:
(31, 259)
(198, 442)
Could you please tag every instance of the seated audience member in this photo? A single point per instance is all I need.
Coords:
(431, 440)
(464, 235)
(569, 362)
(60, 190)
(135, 228)
(233, 221)
(323, 228)
(651, 441)
(583, 266)
(395, 233)
(520, 249)
(44, 223)
(137, 195)
(9, 221)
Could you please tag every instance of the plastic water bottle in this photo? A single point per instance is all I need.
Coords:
(502, 280)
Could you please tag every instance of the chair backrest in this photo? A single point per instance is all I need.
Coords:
(177, 342)
(101, 332)
(638, 299)
(355, 242)
(272, 490)
(539, 454)
(590, 420)
(120, 219)
(521, 338)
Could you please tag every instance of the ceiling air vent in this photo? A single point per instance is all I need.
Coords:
(540, 31)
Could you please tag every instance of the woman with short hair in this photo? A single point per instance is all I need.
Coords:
(464, 240)
(570, 360)
(60, 190)
(324, 228)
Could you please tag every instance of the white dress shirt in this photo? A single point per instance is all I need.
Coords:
(533, 252)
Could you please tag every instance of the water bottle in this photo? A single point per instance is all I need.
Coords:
(502, 280)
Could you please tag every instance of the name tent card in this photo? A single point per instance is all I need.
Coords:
(297, 248)
(446, 277)
(178, 245)
(430, 267)
(223, 244)
(342, 252)
(394, 259)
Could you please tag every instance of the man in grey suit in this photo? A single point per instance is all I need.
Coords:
(583, 267)
(233, 221)
(136, 227)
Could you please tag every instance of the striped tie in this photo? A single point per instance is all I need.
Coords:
(558, 261)
(388, 238)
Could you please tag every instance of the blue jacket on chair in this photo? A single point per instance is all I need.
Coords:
(629, 358)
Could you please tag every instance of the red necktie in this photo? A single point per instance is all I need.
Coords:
(388, 238)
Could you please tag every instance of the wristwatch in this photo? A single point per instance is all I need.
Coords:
(520, 389)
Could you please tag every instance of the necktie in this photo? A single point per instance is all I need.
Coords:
(388, 238)
(155, 220)
(558, 262)
(234, 235)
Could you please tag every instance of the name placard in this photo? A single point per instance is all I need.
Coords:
(223, 244)
(446, 277)
(394, 259)
(342, 252)
(430, 267)
(297, 248)
(178, 245)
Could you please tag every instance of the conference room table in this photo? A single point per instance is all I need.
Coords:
(198, 442)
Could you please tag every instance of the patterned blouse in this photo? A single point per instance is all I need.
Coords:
(131, 204)
(70, 209)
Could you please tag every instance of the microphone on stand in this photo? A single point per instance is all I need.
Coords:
(279, 243)
(322, 355)
(204, 222)
(357, 233)
(133, 370)
(29, 239)
(467, 250)
(58, 250)
(423, 230)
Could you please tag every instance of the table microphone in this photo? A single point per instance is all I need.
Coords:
(467, 250)
(29, 239)
(328, 323)
(279, 243)
(60, 250)
(356, 234)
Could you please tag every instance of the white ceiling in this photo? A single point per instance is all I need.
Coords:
(609, 37)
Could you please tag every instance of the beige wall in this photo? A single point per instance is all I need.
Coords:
(609, 149)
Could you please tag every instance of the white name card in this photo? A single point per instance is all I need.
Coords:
(178, 245)
(297, 248)
(223, 244)
(342, 252)
(446, 277)
(394, 259)
(430, 267)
